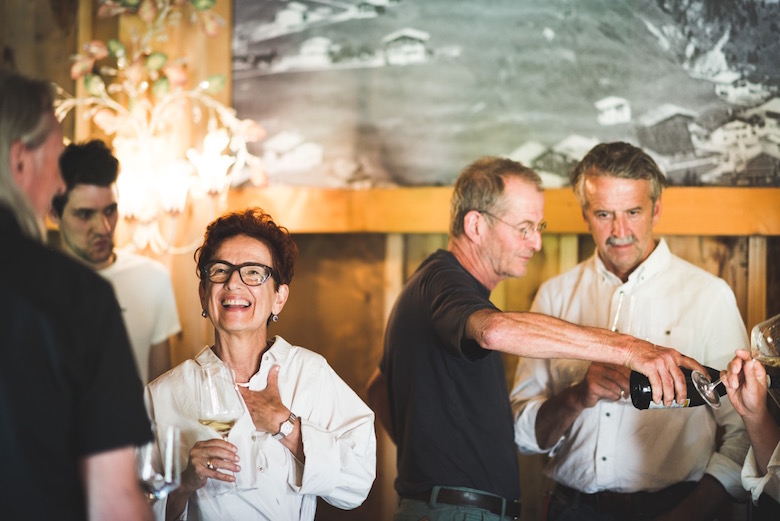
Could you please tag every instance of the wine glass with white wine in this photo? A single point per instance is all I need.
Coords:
(764, 347)
(157, 464)
(220, 404)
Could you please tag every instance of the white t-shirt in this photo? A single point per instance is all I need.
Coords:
(145, 294)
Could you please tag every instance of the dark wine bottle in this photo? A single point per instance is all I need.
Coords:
(642, 393)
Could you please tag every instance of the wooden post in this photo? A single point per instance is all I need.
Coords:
(756, 305)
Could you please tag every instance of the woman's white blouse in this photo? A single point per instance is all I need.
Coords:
(337, 429)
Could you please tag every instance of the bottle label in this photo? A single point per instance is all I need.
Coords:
(675, 405)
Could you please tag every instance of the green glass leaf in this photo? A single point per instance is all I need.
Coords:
(156, 60)
(117, 48)
(214, 83)
(203, 5)
(131, 4)
(94, 84)
(161, 88)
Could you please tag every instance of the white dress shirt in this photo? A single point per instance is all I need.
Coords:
(337, 429)
(613, 446)
(757, 484)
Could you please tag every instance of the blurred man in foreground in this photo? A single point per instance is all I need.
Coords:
(70, 397)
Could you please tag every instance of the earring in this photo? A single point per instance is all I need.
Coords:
(275, 317)
(204, 313)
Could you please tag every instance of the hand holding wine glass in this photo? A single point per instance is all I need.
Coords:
(764, 348)
(220, 405)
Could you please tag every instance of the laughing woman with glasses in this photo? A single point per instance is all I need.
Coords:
(303, 433)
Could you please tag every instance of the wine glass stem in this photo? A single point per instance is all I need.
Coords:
(233, 485)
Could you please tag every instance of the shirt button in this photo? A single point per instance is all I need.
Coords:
(603, 458)
(259, 469)
(608, 415)
(254, 438)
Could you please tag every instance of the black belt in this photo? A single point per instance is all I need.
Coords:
(624, 503)
(493, 504)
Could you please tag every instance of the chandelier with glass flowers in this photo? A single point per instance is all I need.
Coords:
(172, 140)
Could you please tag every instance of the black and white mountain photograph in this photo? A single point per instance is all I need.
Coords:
(376, 93)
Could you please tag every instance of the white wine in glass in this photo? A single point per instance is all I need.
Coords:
(220, 404)
(223, 427)
(764, 347)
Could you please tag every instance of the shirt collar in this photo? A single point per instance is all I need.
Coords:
(276, 355)
(655, 263)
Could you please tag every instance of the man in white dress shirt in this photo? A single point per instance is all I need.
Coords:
(608, 459)
(87, 216)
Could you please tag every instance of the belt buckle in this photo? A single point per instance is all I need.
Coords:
(513, 510)
(476, 499)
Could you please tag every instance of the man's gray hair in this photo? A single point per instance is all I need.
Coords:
(25, 109)
(620, 160)
(481, 185)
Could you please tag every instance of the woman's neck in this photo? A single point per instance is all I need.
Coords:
(242, 355)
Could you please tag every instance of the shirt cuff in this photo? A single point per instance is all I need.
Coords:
(525, 430)
(751, 478)
(727, 472)
(320, 473)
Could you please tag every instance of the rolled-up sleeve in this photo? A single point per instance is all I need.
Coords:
(339, 443)
(757, 484)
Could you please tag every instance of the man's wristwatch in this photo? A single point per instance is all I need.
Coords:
(286, 427)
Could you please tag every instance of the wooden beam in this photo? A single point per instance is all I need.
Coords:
(686, 210)
(82, 126)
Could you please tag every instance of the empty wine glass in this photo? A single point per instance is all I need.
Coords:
(632, 316)
(220, 403)
(764, 347)
(162, 454)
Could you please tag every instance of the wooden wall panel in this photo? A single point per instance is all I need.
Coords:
(37, 38)
(336, 308)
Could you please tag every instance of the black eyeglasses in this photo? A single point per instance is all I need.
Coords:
(251, 273)
(524, 231)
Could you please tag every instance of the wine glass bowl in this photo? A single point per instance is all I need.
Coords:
(764, 348)
(706, 388)
(764, 345)
(219, 402)
(158, 471)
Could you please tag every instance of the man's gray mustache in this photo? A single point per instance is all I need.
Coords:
(617, 241)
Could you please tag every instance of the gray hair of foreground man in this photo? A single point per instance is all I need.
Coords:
(480, 186)
(620, 160)
(24, 105)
